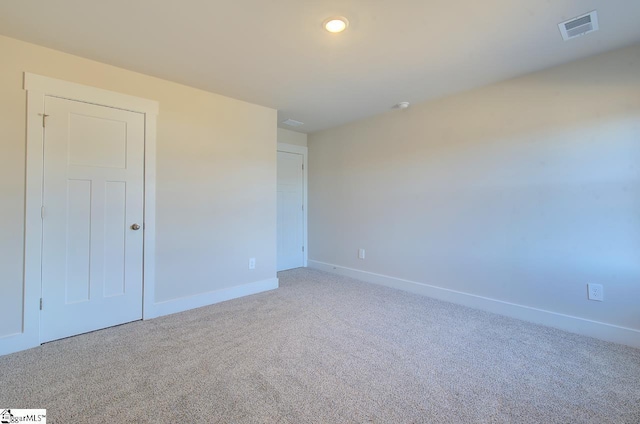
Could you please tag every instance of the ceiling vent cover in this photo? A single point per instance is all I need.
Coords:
(579, 26)
(292, 123)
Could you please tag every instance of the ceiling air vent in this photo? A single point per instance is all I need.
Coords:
(580, 25)
(292, 123)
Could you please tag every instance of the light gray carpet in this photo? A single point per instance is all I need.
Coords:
(327, 349)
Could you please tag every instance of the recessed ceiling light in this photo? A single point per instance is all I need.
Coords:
(336, 24)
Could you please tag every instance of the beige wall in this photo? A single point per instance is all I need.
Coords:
(216, 178)
(292, 137)
(522, 191)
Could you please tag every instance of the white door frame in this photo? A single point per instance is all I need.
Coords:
(37, 88)
(301, 150)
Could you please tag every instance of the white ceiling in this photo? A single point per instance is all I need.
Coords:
(275, 52)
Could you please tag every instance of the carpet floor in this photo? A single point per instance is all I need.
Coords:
(327, 349)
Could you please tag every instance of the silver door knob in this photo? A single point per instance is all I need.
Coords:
(135, 227)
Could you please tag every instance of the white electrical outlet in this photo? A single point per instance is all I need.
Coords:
(595, 292)
(361, 253)
(252, 263)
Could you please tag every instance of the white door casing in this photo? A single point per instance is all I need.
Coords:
(291, 208)
(93, 198)
(37, 88)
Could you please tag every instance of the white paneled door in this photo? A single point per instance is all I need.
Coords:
(290, 211)
(92, 242)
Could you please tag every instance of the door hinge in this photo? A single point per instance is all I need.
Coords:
(303, 207)
(44, 115)
(303, 166)
(303, 248)
(40, 303)
(42, 212)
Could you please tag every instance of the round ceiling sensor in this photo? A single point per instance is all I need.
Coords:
(336, 24)
(401, 105)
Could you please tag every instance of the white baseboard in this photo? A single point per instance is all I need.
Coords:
(599, 330)
(191, 302)
(16, 342)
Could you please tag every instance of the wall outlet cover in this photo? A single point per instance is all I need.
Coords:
(595, 292)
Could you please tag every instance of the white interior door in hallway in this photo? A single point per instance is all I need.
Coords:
(93, 198)
(290, 210)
